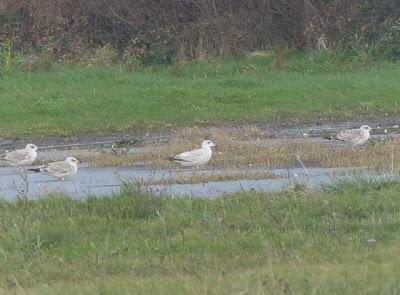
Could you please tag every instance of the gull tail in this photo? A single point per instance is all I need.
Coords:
(330, 137)
(174, 159)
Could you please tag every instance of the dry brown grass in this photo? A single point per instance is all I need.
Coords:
(250, 147)
(210, 176)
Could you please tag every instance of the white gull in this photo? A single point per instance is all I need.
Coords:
(196, 157)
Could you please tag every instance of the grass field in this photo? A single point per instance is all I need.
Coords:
(342, 239)
(73, 99)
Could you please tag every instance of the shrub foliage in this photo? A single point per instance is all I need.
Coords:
(157, 31)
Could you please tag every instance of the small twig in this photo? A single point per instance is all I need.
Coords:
(301, 162)
(392, 156)
(22, 190)
(165, 233)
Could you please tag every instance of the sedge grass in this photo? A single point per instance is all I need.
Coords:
(246, 147)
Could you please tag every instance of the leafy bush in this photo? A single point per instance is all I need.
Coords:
(163, 31)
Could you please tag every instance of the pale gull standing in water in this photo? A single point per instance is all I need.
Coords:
(355, 136)
(23, 157)
(61, 169)
(197, 157)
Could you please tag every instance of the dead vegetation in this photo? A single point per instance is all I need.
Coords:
(209, 176)
(246, 147)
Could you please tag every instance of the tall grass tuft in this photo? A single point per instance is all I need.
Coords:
(360, 185)
(5, 56)
(139, 202)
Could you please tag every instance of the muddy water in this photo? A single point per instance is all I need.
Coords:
(381, 128)
(105, 181)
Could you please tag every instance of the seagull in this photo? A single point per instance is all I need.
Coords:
(60, 169)
(196, 157)
(23, 157)
(355, 136)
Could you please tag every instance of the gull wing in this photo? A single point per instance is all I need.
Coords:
(190, 156)
(58, 167)
(350, 135)
(16, 156)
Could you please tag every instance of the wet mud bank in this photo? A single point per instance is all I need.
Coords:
(293, 128)
(95, 180)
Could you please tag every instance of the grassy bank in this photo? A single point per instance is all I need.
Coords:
(343, 239)
(70, 99)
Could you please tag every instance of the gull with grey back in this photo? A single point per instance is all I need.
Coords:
(19, 158)
(195, 158)
(61, 169)
(355, 136)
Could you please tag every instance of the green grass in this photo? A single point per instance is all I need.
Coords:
(294, 242)
(71, 99)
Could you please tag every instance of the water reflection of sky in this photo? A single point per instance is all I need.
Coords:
(105, 181)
